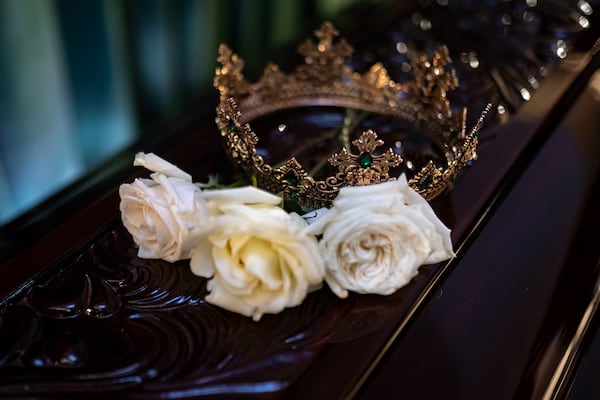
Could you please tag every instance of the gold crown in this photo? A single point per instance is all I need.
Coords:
(325, 80)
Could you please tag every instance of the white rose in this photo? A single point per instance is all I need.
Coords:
(259, 258)
(165, 213)
(375, 237)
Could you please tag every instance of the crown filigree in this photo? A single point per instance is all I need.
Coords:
(324, 79)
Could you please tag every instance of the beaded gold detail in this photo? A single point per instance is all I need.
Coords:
(325, 80)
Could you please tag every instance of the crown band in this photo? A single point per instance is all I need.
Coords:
(325, 80)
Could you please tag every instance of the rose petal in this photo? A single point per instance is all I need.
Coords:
(154, 163)
(221, 297)
(232, 271)
(202, 262)
(242, 195)
(260, 260)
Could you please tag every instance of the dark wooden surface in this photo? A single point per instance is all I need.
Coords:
(83, 316)
(502, 321)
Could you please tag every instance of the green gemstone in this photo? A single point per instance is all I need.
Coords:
(293, 195)
(365, 160)
(232, 127)
(425, 183)
(291, 178)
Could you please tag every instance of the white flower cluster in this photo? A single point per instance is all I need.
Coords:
(260, 259)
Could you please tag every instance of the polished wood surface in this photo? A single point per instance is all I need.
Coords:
(502, 322)
(83, 316)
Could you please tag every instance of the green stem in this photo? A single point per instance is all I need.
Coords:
(351, 120)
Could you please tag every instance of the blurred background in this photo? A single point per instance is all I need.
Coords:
(82, 80)
(82, 83)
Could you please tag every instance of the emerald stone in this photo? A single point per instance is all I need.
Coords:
(291, 178)
(293, 195)
(425, 183)
(365, 160)
(232, 127)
